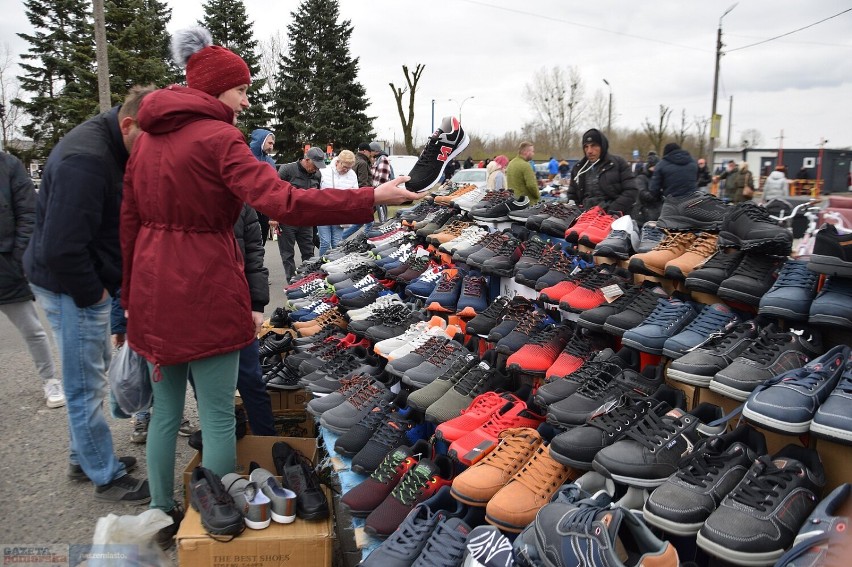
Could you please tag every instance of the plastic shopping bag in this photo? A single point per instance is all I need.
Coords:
(128, 541)
(129, 380)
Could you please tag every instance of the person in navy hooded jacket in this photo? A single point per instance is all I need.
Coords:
(676, 175)
(261, 144)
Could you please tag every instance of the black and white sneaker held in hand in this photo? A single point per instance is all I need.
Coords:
(448, 141)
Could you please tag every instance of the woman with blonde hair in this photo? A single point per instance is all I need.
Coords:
(744, 184)
(339, 176)
(496, 179)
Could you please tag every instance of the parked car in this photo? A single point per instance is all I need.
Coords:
(475, 175)
(402, 164)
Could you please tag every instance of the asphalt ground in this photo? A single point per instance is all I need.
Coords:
(41, 509)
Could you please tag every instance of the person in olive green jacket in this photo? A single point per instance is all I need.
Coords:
(520, 177)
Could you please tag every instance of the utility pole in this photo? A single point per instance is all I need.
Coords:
(714, 118)
(609, 112)
(104, 98)
(780, 160)
(730, 118)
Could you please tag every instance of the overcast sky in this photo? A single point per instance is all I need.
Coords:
(652, 52)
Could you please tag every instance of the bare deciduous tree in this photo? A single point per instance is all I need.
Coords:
(681, 133)
(556, 97)
(656, 133)
(411, 80)
(597, 111)
(751, 138)
(701, 125)
(9, 90)
(270, 53)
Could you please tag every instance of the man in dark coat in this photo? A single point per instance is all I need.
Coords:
(74, 265)
(303, 174)
(602, 179)
(17, 216)
(704, 178)
(676, 175)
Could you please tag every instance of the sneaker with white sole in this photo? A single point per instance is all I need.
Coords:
(54, 395)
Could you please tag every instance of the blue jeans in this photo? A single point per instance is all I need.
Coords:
(252, 390)
(329, 237)
(354, 228)
(82, 335)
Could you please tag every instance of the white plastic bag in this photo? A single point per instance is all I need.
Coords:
(128, 541)
(129, 381)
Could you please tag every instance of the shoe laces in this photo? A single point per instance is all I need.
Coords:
(667, 313)
(582, 517)
(618, 235)
(645, 301)
(545, 336)
(432, 343)
(541, 474)
(704, 244)
(766, 346)
(412, 485)
(654, 430)
(518, 309)
(390, 432)
(796, 274)
(589, 215)
(709, 321)
(598, 280)
(533, 249)
(501, 421)
(472, 380)
(652, 233)
(411, 532)
(497, 308)
(599, 378)
(473, 285)
(511, 450)
(440, 356)
(529, 324)
(756, 213)
(389, 467)
(757, 266)
(508, 246)
(445, 546)
(364, 396)
(764, 483)
(676, 240)
(702, 465)
(578, 347)
(618, 419)
(482, 405)
(448, 282)
(601, 222)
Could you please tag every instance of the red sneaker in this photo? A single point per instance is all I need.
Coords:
(479, 442)
(584, 221)
(589, 294)
(540, 353)
(597, 231)
(478, 412)
(575, 353)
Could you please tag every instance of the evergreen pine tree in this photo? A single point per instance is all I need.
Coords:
(318, 99)
(138, 45)
(59, 70)
(229, 25)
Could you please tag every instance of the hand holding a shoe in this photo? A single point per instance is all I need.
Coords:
(391, 193)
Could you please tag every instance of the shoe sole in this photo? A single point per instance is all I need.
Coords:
(702, 286)
(832, 320)
(783, 313)
(613, 330)
(686, 378)
(638, 266)
(779, 246)
(595, 327)
(680, 223)
(464, 499)
(776, 425)
(505, 526)
(730, 391)
(740, 296)
(831, 433)
(640, 347)
(830, 265)
(670, 526)
(83, 477)
(609, 253)
(651, 483)
(569, 462)
(738, 557)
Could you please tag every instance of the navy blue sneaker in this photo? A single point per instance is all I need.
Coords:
(474, 296)
(666, 320)
(833, 305)
(788, 402)
(833, 420)
(792, 293)
(446, 294)
(712, 320)
(822, 534)
(425, 284)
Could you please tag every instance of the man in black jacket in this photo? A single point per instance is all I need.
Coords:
(17, 216)
(602, 179)
(704, 178)
(303, 174)
(74, 265)
(676, 175)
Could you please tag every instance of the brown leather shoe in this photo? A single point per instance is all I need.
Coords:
(653, 263)
(702, 248)
(478, 484)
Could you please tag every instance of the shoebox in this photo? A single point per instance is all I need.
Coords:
(835, 458)
(774, 441)
(691, 392)
(285, 399)
(667, 284)
(294, 423)
(254, 448)
(510, 288)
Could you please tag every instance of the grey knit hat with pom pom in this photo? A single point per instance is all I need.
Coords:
(209, 68)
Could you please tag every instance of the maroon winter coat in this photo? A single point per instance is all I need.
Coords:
(188, 175)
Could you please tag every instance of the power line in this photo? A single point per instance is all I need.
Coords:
(550, 18)
(789, 33)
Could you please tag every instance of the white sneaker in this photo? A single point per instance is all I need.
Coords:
(54, 395)
(381, 301)
(416, 342)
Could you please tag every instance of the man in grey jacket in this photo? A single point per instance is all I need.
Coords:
(303, 174)
(17, 217)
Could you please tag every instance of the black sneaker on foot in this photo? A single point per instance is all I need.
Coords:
(166, 536)
(448, 141)
(76, 472)
(124, 489)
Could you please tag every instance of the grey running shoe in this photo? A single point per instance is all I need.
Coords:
(248, 497)
(140, 427)
(282, 501)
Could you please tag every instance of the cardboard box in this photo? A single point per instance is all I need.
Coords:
(257, 449)
(300, 544)
(284, 399)
(836, 459)
(291, 423)
(774, 441)
(691, 392)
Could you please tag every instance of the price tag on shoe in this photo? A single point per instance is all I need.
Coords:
(612, 292)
